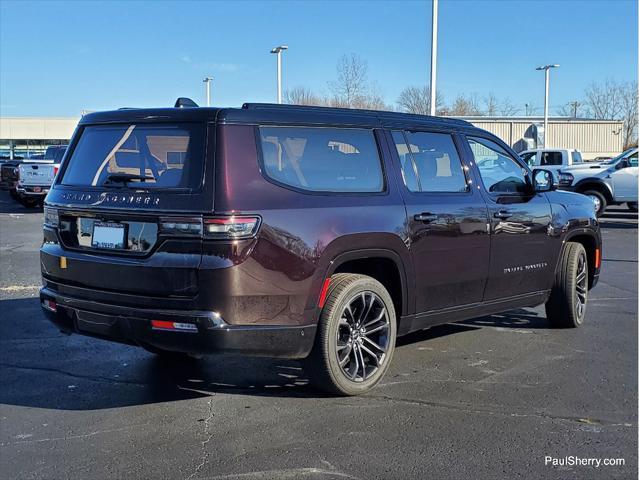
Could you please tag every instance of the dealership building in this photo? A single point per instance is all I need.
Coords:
(27, 136)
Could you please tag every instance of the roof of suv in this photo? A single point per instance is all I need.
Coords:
(265, 113)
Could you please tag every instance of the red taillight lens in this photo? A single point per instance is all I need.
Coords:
(169, 325)
(50, 305)
(55, 171)
(231, 227)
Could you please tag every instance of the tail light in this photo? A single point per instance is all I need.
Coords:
(181, 226)
(55, 171)
(51, 218)
(233, 227)
(223, 228)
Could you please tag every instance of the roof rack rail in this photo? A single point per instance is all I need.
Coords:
(184, 102)
(379, 113)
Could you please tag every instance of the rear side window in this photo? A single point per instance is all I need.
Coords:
(550, 158)
(149, 156)
(430, 162)
(322, 159)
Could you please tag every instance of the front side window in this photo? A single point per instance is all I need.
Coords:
(322, 159)
(576, 157)
(149, 156)
(429, 162)
(530, 158)
(499, 171)
(632, 160)
(550, 158)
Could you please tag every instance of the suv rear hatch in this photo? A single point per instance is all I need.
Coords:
(126, 209)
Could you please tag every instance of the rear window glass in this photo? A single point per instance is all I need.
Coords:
(322, 159)
(138, 156)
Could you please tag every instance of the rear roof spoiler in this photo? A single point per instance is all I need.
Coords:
(184, 102)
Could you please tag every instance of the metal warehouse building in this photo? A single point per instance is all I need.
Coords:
(595, 138)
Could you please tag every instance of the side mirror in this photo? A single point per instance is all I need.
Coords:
(543, 180)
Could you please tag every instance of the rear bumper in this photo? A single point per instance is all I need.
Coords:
(209, 333)
(33, 190)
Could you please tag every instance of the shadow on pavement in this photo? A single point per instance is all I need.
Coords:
(42, 368)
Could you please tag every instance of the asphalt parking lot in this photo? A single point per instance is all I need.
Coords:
(488, 398)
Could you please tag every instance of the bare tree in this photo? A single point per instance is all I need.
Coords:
(491, 104)
(465, 106)
(417, 100)
(303, 96)
(507, 108)
(614, 100)
(351, 84)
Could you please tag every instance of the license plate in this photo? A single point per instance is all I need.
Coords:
(37, 189)
(108, 235)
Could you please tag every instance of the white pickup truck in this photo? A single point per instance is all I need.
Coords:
(553, 159)
(611, 182)
(35, 177)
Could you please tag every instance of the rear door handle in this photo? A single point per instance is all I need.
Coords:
(503, 214)
(425, 217)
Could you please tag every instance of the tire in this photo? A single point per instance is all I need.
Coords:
(566, 307)
(364, 365)
(632, 206)
(603, 203)
(28, 202)
(169, 354)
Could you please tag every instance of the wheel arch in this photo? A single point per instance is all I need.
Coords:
(590, 243)
(595, 184)
(385, 266)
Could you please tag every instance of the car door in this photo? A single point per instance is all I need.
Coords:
(624, 180)
(446, 220)
(521, 259)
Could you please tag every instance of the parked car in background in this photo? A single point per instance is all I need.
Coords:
(303, 232)
(552, 159)
(607, 183)
(34, 177)
(9, 175)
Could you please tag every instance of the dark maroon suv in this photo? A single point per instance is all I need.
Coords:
(303, 232)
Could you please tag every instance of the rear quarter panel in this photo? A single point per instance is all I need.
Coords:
(301, 236)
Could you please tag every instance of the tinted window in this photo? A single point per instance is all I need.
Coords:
(430, 162)
(551, 158)
(322, 159)
(499, 171)
(140, 156)
(632, 160)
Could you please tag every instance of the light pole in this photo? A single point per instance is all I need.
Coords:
(278, 52)
(547, 73)
(433, 60)
(208, 81)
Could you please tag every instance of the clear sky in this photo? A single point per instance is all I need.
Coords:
(59, 58)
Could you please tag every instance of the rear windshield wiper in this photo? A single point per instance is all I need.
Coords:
(125, 178)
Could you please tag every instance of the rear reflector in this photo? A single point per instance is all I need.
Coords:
(597, 258)
(322, 297)
(168, 325)
(50, 305)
